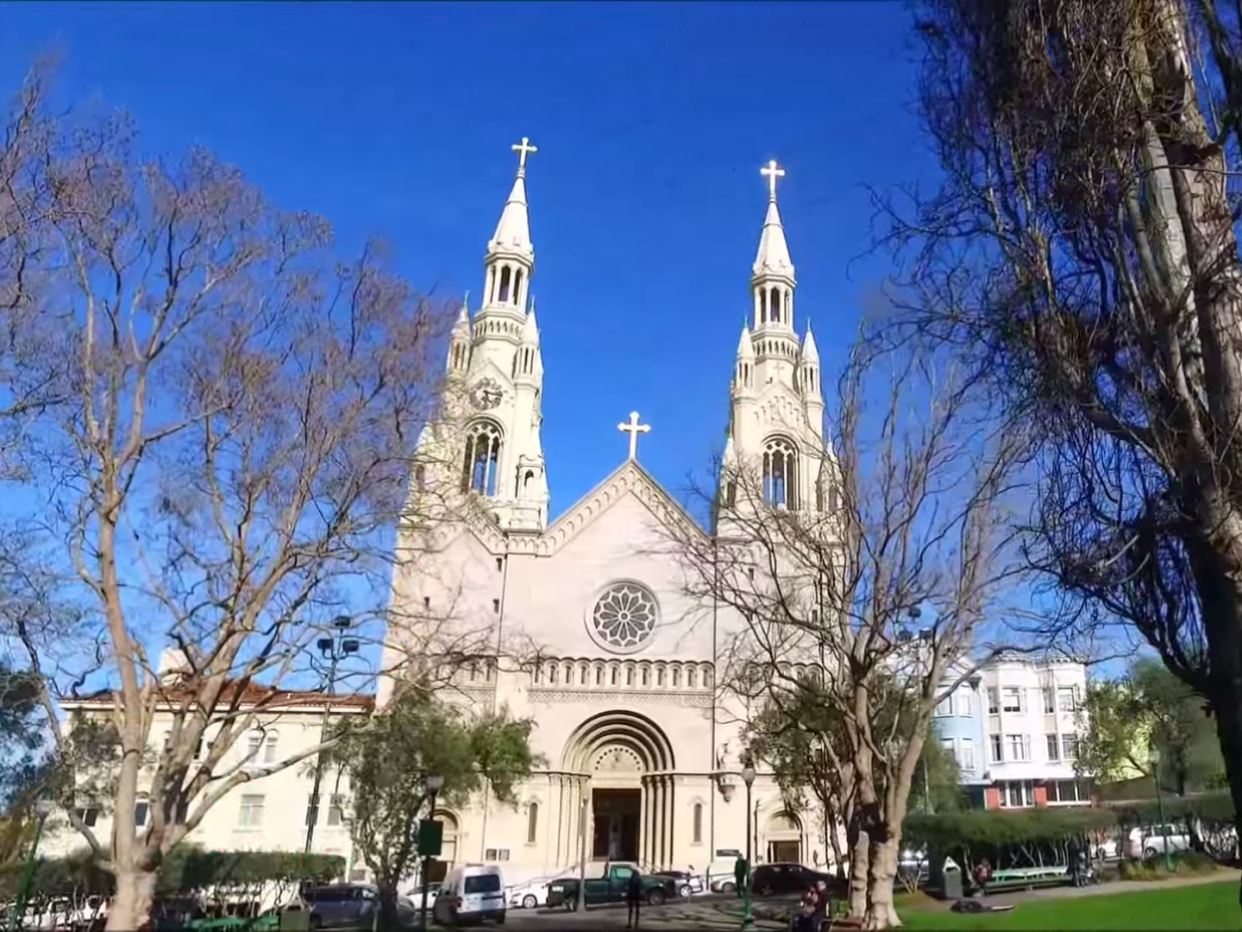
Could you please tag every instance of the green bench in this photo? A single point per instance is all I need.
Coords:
(1027, 878)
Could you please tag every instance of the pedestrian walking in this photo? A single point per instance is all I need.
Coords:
(740, 870)
(633, 899)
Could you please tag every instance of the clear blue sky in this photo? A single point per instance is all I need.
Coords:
(652, 121)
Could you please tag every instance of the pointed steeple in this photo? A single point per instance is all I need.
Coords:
(510, 255)
(810, 352)
(744, 367)
(459, 339)
(772, 287)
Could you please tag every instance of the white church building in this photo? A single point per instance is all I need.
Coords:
(641, 744)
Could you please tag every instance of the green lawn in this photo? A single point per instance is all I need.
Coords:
(1211, 907)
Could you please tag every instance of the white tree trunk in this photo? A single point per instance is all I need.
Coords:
(883, 869)
(131, 907)
(859, 868)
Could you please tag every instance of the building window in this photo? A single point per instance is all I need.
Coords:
(1054, 748)
(698, 823)
(142, 809)
(532, 823)
(1067, 699)
(1018, 747)
(481, 467)
(496, 854)
(945, 706)
(336, 810)
(254, 744)
(997, 756)
(780, 473)
(1068, 791)
(1011, 699)
(251, 815)
(1050, 703)
(89, 815)
(1016, 794)
(1069, 746)
(993, 700)
(967, 759)
(269, 748)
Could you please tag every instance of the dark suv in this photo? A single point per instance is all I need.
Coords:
(789, 877)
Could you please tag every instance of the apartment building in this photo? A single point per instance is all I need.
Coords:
(1030, 712)
(958, 724)
(271, 811)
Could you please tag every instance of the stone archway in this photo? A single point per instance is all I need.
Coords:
(782, 835)
(626, 763)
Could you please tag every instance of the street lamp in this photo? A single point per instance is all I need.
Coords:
(432, 783)
(43, 808)
(1153, 758)
(333, 649)
(748, 777)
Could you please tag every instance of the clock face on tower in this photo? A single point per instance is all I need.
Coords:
(486, 394)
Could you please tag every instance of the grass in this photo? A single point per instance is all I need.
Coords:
(1209, 907)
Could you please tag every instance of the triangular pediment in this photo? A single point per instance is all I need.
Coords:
(628, 479)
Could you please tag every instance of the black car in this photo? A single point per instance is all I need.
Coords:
(790, 877)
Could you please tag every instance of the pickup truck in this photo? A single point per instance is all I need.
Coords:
(610, 887)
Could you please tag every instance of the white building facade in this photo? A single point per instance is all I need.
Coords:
(1031, 713)
(642, 745)
(269, 813)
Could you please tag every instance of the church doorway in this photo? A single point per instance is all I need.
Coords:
(784, 838)
(616, 815)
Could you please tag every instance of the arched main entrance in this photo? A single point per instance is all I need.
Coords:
(783, 834)
(627, 762)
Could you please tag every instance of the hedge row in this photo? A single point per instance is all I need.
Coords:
(186, 870)
(999, 827)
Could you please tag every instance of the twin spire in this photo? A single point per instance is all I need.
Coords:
(512, 236)
(773, 260)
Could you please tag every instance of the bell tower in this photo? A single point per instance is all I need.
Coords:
(776, 411)
(485, 445)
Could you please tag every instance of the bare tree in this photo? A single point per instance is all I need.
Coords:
(225, 417)
(1081, 257)
(918, 534)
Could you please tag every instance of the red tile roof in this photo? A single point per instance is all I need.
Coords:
(253, 694)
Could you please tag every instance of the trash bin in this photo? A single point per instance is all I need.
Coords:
(294, 918)
(951, 881)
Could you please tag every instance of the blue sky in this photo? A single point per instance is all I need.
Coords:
(652, 121)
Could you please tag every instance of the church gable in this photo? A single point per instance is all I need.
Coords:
(628, 481)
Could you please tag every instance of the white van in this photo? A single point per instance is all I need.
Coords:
(471, 893)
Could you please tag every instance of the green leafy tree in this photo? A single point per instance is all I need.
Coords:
(387, 762)
(1149, 707)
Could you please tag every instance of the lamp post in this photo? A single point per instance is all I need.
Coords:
(1153, 758)
(43, 808)
(748, 777)
(433, 783)
(333, 649)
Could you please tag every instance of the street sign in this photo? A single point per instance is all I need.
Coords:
(430, 838)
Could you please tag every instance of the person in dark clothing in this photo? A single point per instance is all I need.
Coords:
(633, 899)
(740, 869)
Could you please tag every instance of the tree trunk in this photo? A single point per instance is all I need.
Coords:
(859, 863)
(389, 921)
(1220, 598)
(131, 907)
(883, 870)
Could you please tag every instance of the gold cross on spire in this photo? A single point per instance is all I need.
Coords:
(523, 148)
(771, 172)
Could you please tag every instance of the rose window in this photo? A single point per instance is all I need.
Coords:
(624, 617)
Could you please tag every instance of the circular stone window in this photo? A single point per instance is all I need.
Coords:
(623, 618)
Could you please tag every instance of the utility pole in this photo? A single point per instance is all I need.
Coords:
(333, 649)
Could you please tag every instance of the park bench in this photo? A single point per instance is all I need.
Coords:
(1027, 878)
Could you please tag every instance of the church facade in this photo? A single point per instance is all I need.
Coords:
(594, 635)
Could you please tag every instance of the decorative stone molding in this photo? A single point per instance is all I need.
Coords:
(620, 697)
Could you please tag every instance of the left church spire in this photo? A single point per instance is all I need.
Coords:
(486, 440)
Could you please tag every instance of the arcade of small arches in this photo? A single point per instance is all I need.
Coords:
(505, 284)
(481, 464)
(587, 673)
(773, 305)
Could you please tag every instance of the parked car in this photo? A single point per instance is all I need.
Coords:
(471, 893)
(529, 895)
(610, 885)
(791, 877)
(1107, 850)
(1147, 841)
(688, 882)
(341, 905)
